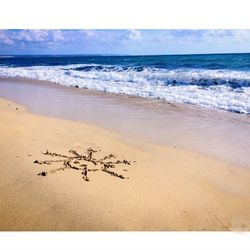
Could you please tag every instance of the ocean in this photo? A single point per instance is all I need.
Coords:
(220, 81)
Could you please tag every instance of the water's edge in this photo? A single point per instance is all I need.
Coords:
(216, 133)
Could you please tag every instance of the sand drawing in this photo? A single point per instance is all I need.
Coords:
(84, 163)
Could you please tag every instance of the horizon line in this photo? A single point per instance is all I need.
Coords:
(101, 54)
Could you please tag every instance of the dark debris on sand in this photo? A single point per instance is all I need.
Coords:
(81, 163)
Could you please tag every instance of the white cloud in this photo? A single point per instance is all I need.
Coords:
(57, 35)
(10, 36)
(89, 33)
(31, 35)
(133, 35)
(123, 40)
(4, 38)
(221, 36)
(200, 36)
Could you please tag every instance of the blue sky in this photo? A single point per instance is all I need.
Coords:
(123, 41)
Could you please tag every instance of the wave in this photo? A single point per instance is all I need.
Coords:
(7, 56)
(139, 74)
(222, 89)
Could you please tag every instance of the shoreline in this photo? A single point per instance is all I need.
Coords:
(139, 100)
(215, 133)
(168, 188)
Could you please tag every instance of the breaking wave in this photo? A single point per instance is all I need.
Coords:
(213, 88)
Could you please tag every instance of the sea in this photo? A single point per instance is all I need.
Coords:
(213, 81)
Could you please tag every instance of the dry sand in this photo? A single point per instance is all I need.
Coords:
(168, 188)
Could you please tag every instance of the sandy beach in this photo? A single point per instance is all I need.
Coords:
(164, 187)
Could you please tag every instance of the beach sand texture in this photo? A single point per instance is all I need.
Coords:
(167, 188)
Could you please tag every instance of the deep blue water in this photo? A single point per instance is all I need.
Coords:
(210, 61)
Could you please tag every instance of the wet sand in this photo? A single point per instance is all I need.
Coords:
(165, 187)
(218, 134)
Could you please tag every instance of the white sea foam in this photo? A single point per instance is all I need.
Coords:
(7, 56)
(222, 89)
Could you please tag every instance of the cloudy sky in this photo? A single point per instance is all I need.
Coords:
(123, 41)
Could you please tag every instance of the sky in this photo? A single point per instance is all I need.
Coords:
(123, 42)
